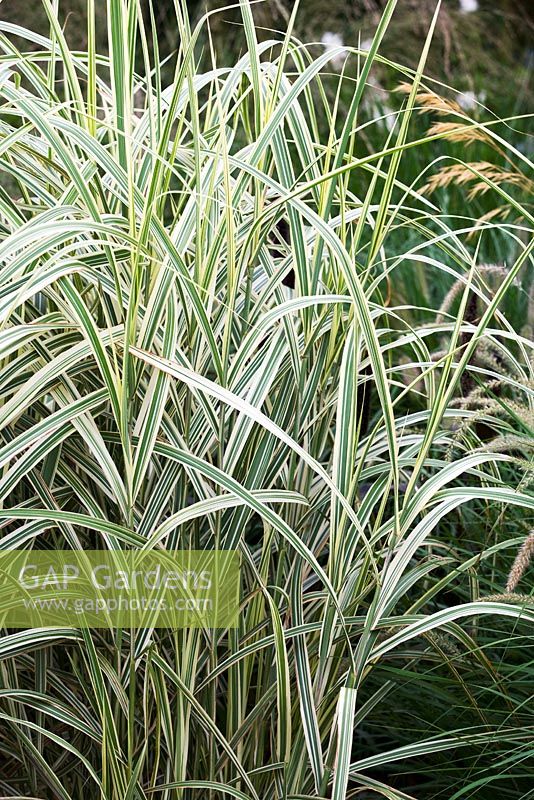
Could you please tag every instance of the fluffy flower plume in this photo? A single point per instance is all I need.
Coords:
(522, 560)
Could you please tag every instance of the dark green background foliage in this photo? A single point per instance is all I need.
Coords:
(490, 50)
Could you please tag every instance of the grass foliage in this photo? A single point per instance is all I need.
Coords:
(221, 327)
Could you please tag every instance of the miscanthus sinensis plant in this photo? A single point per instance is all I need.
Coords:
(202, 346)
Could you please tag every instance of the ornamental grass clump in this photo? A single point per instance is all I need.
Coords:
(162, 387)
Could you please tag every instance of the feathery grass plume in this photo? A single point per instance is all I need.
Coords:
(497, 358)
(472, 172)
(499, 213)
(448, 301)
(485, 414)
(446, 644)
(478, 397)
(430, 101)
(488, 353)
(508, 443)
(509, 597)
(493, 406)
(456, 132)
(521, 563)
(481, 397)
(498, 270)
(483, 175)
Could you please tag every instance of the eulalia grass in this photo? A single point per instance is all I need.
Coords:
(161, 385)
